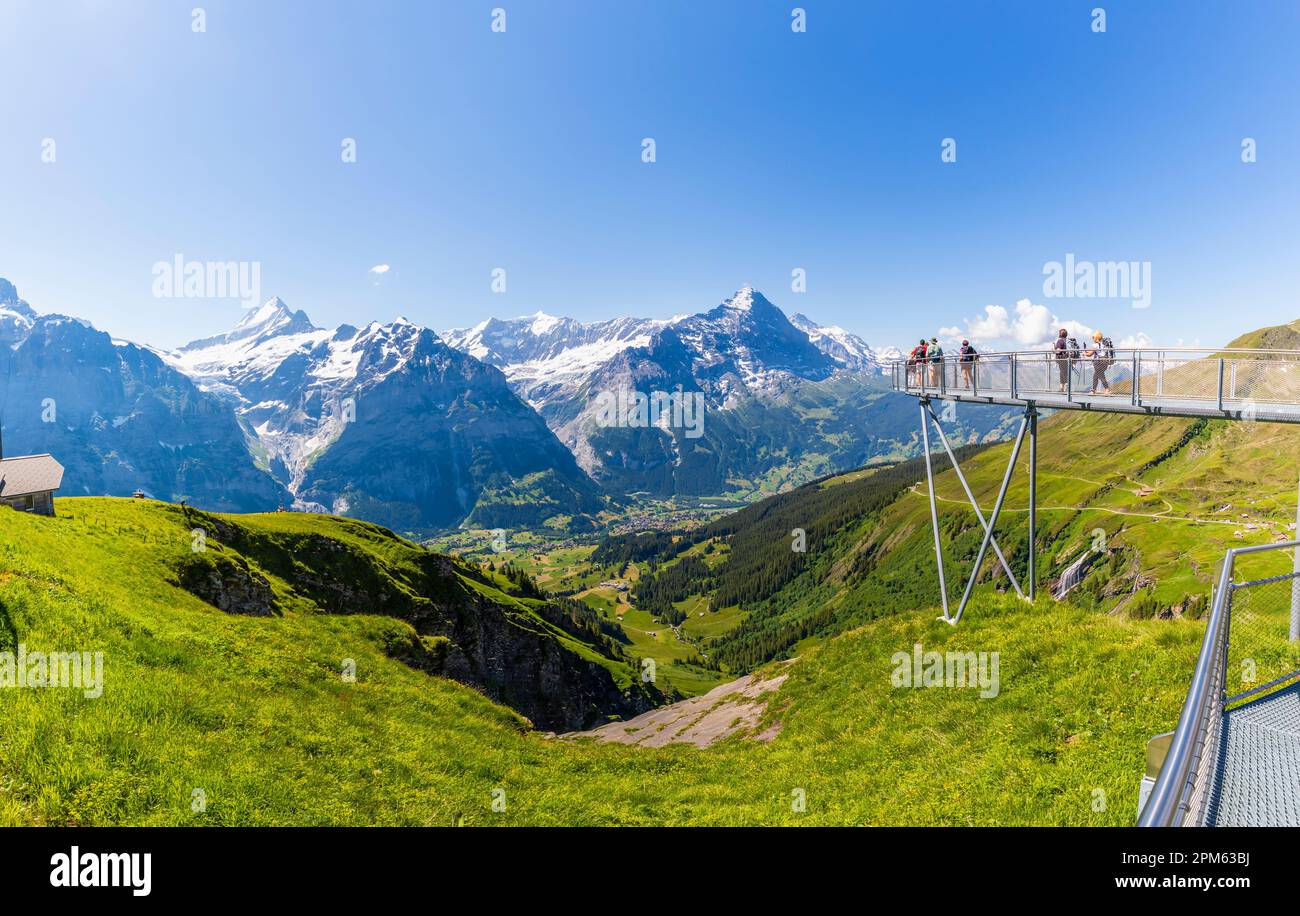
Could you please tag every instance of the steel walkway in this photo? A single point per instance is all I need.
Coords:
(1226, 384)
(1234, 761)
(1257, 780)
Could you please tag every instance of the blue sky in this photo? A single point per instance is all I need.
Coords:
(775, 150)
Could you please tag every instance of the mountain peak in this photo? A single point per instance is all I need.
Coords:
(544, 323)
(746, 298)
(273, 318)
(750, 301)
(747, 306)
(16, 316)
(270, 312)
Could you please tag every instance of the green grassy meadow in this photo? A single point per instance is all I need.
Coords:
(253, 713)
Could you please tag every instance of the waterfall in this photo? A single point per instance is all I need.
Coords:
(1073, 574)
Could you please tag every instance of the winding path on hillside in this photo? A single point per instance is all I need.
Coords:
(1161, 516)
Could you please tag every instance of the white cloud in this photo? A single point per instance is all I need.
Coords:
(379, 269)
(1030, 327)
(1138, 341)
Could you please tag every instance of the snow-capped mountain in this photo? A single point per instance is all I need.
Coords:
(784, 399)
(290, 379)
(746, 346)
(386, 422)
(740, 360)
(845, 347)
(547, 358)
(118, 417)
(16, 316)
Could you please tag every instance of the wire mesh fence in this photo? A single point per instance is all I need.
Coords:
(1263, 637)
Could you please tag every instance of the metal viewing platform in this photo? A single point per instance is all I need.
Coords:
(1234, 759)
(1243, 385)
(1259, 385)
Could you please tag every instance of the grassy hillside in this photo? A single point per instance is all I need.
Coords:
(256, 701)
(1161, 499)
(1166, 497)
(1279, 337)
(253, 712)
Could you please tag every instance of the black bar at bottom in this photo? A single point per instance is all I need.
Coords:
(332, 866)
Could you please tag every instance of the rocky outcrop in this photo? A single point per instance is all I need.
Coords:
(545, 660)
(550, 684)
(228, 584)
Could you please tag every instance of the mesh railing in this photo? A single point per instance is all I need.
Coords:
(1224, 379)
(1251, 649)
(1262, 655)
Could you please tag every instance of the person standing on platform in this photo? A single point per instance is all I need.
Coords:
(1062, 358)
(935, 354)
(968, 357)
(1102, 353)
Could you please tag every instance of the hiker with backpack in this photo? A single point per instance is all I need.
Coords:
(916, 360)
(1102, 353)
(968, 357)
(935, 354)
(1062, 352)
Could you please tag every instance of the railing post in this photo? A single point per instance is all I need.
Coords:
(1137, 375)
(1033, 498)
(1013, 376)
(1294, 633)
(1222, 366)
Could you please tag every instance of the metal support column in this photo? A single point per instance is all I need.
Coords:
(934, 509)
(984, 525)
(997, 511)
(1033, 498)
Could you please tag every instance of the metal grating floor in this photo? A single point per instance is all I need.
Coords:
(1257, 783)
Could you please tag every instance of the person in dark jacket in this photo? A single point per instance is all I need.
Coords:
(968, 357)
(935, 354)
(1062, 348)
(916, 360)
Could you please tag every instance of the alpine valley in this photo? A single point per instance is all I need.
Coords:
(495, 426)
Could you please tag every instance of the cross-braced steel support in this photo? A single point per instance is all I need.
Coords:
(1032, 414)
(934, 511)
(1029, 423)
